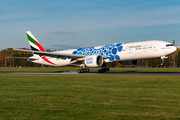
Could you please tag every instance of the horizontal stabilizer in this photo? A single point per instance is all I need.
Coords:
(27, 58)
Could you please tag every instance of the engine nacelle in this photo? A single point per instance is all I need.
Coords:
(94, 61)
(129, 63)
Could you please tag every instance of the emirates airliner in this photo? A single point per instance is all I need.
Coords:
(98, 56)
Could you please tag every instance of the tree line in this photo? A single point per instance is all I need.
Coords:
(10, 62)
(172, 60)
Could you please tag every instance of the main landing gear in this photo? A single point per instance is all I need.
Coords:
(103, 70)
(83, 70)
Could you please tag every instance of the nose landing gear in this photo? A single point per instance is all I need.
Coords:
(163, 59)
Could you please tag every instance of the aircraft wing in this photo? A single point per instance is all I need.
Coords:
(57, 55)
(53, 54)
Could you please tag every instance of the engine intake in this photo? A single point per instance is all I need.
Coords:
(94, 61)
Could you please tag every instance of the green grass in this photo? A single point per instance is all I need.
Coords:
(89, 97)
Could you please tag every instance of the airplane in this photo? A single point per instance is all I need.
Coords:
(127, 54)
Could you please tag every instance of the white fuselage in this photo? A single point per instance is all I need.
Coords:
(145, 50)
(117, 52)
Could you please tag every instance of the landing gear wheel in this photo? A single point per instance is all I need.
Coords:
(84, 70)
(100, 71)
(104, 70)
(87, 70)
(79, 71)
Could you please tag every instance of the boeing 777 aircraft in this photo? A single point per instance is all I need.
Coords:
(126, 54)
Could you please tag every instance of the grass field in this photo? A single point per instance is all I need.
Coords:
(89, 97)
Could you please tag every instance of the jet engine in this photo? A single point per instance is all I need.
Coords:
(93, 61)
(129, 63)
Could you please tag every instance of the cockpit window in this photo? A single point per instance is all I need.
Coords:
(169, 45)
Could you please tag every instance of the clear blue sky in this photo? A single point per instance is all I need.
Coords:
(65, 24)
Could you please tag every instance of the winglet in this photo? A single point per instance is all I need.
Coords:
(34, 44)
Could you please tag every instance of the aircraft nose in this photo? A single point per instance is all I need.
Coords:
(171, 49)
(174, 48)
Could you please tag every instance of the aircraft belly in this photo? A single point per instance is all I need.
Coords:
(62, 62)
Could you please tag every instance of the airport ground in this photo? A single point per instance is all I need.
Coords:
(70, 96)
(69, 69)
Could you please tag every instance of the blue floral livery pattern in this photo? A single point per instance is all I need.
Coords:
(107, 50)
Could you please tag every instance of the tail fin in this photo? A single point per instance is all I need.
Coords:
(34, 44)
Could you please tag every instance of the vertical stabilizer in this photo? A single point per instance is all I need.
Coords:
(34, 44)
